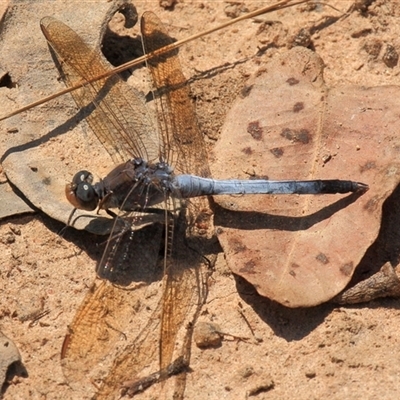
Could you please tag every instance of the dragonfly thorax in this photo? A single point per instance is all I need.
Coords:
(133, 185)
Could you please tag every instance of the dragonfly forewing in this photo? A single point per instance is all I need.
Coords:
(114, 110)
(182, 141)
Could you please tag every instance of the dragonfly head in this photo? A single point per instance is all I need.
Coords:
(81, 193)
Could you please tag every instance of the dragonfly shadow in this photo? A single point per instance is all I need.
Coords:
(133, 256)
(253, 220)
(140, 256)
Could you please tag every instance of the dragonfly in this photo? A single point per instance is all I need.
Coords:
(161, 184)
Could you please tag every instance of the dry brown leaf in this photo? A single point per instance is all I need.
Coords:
(302, 250)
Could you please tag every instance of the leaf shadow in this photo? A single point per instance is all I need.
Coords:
(291, 324)
(386, 247)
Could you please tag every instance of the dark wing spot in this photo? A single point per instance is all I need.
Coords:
(322, 258)
(367, 166)
(255, 130)
(298, 107)
(247, 151)
(292, 81)
(277, 152)
(347, 269)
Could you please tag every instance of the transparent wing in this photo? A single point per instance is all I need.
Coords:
(115, 111)
(107, 315)
(182, 141)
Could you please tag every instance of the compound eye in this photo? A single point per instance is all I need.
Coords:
(80, 192)
(82, 176)
(85, 192)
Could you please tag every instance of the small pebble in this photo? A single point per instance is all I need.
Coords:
(207, 334)
(311, 374)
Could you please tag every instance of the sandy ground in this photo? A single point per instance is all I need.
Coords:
(326, 351)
